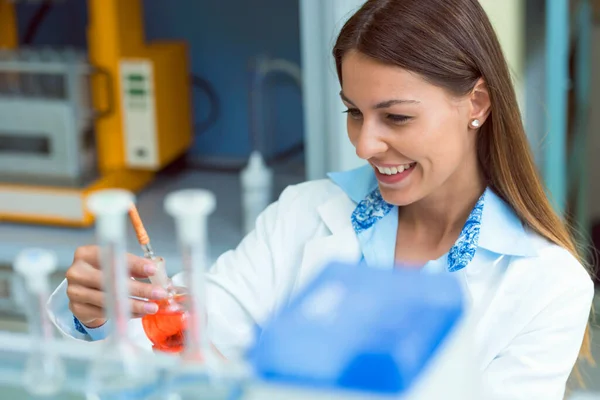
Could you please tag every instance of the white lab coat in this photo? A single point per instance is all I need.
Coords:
(535, 309)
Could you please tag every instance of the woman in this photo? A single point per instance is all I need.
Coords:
(451, 187)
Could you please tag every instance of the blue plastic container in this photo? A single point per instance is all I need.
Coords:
(359, 328)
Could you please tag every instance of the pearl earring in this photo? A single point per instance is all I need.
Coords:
(475, 123)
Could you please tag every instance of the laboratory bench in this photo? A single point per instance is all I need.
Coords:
(231, 380)
(17, 350)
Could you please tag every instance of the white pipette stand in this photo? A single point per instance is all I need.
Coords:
(44, 372)
(191, 208)
(122, 370)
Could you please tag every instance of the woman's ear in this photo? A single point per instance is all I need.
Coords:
(480, 102)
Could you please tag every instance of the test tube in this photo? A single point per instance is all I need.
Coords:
(190, 208)
(122, 369)
(44, 371)
(200, 374)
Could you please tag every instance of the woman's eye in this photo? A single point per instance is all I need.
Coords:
(398, 119)
(353, 113)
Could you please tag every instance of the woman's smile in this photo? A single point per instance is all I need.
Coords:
(389, 175)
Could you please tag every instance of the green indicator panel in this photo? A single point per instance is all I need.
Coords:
(136, 78)
(139, 113)
(137, 92)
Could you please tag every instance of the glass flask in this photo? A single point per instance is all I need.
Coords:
(166, 329)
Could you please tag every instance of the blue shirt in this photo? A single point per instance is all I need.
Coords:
(491, 225)
(98, 333)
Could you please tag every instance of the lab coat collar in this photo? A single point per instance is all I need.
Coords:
(501, 231)
(341, 245)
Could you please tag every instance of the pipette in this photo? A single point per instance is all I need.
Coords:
(165, 329)
(160, 278)
(121, 369)
(44, 372)
(140, 232)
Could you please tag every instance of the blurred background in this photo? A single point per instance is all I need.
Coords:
(237, 97)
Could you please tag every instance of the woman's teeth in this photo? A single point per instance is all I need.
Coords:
(394, 170)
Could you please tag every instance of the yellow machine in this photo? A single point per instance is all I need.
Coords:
(8, 25)
(142, 89)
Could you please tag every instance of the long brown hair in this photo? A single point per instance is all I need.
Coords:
(452, 44)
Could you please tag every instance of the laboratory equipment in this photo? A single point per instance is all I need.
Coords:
(358, 331)
(257, 189)
(166, 328)
(264, 68)
(110, 119)
(191, 208)
(257, 178)
(123, 368)
(353, 333)
(8, 25)
(140, 232)
(44, 372)
(47, 118)
(160, 278)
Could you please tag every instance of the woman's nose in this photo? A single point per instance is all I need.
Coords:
(369, 144)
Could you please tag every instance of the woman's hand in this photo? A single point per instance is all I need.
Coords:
(85, 287)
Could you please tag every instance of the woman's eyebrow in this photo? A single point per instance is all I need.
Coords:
(383, 104)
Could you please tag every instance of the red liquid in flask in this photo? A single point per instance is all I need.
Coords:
(166, 328)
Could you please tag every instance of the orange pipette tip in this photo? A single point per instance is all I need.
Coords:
(138, 225)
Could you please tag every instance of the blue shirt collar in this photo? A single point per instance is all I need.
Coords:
(492, 224)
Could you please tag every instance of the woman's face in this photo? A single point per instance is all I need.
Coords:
(416, 135)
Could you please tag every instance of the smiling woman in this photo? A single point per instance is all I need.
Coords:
(427, 85)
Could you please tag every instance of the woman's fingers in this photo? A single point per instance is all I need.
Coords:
(85, 295)
(139, 267)
(140, 307)
(83, 274)
(146, 290)
(86, 313)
